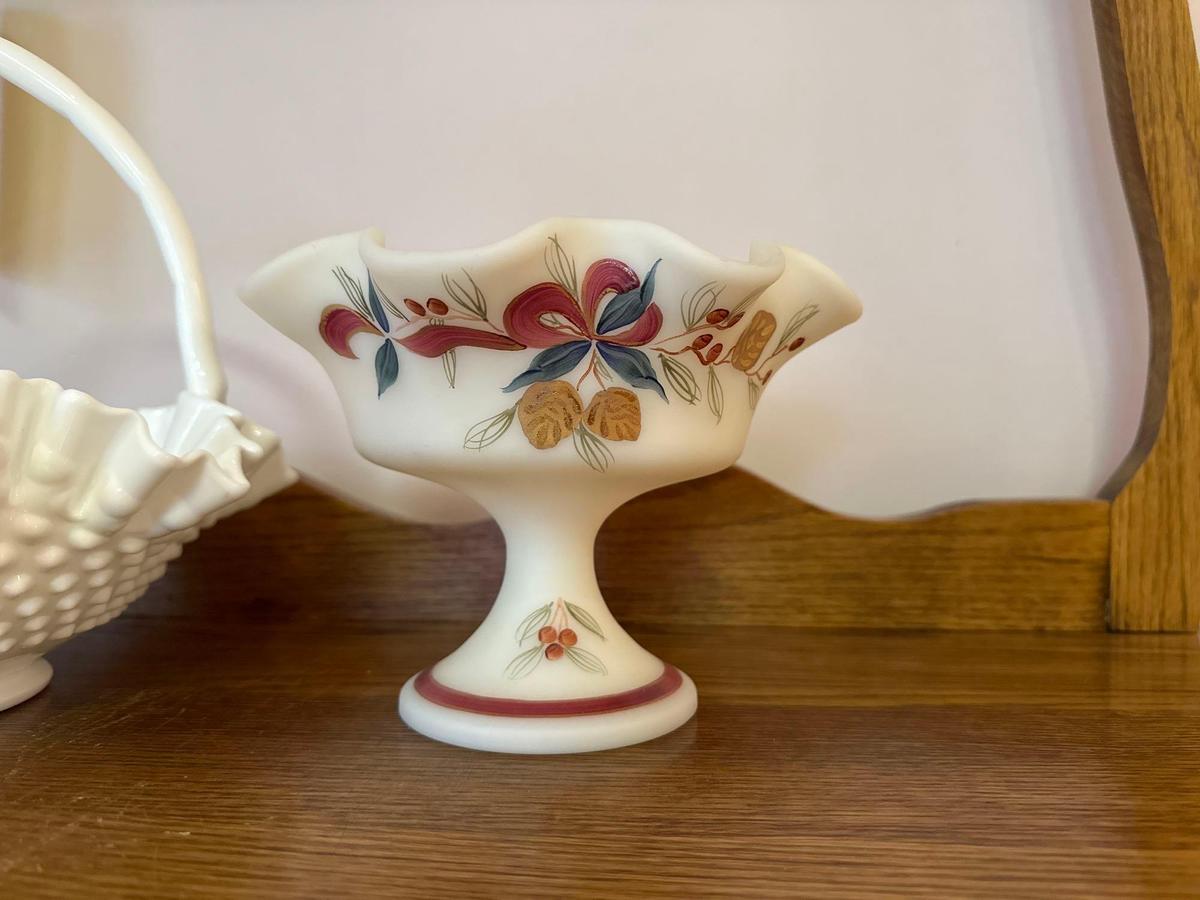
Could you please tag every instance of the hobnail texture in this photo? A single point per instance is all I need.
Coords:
(95, 501)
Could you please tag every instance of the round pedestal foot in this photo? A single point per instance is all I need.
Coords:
(577, 725)
(21, 677)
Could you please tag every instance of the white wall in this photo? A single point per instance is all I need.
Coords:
(950, 159)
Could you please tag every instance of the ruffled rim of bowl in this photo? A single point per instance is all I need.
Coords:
(765, 259)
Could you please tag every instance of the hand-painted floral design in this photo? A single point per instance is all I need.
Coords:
(601, 323)
(569, 323)
(435, 338)
(549, 626)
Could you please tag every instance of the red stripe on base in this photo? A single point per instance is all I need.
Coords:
(435, 692)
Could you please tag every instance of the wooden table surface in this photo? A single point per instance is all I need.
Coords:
(179, 755)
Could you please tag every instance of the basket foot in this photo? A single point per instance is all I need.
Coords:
(21, 677)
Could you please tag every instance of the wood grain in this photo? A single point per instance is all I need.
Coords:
(1152, 86)
(728, 549)
(733, 549)
(180, 756)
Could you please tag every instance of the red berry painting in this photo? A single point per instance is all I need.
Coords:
(549, 627)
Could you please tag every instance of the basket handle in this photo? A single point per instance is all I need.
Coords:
(193, 319)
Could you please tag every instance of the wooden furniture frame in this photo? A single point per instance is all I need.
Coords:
(1129, 559)
(1148, 58)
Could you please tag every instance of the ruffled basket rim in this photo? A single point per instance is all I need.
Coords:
(232, 473)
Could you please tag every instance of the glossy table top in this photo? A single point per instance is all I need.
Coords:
(180, 755)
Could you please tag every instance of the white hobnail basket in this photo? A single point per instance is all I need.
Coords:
(94, 501)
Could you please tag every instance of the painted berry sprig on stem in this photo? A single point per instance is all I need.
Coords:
(550, 626)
